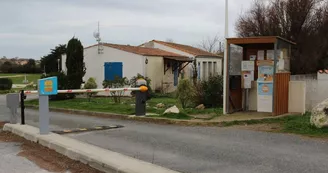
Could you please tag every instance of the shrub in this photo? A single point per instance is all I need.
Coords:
(116, 83)
(91, 84)
(199, 95)
(62, 85)
(5, 84)
(213, 91)
(133, 83)
(185, 92)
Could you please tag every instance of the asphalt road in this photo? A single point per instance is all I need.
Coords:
(198, 149)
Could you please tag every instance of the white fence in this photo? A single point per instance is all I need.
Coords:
(316, 88)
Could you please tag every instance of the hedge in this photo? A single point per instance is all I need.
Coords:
(5, 84)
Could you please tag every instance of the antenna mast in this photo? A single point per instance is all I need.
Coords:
(96, 34)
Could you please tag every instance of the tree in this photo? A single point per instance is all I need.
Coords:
(74, 63)
(194, 72)
(302, 21)
(50, 62)
(6, 67)
(212, 45)
(30, 67)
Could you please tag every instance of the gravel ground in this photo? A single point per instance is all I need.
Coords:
(18, 155)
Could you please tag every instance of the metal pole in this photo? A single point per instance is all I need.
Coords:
(44, 117)
(247, 100)
(225, 67)
(22, 98)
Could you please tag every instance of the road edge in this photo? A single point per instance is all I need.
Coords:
(132, 118)
(162, 121)
(96, 157)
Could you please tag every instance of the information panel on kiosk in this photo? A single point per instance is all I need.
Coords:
(48, 86)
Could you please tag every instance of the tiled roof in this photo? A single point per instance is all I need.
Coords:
(146, 51)
(188, 49)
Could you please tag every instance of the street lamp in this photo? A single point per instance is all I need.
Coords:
(225, 60)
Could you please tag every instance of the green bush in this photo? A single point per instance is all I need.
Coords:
(5, 84)
(199, 95)
(116, 83)
(185, 93)
(213, 91)
(91, 84)
(133, 83)
(62, 85)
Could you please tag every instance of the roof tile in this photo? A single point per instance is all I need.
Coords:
(186, 48)
(146, 51)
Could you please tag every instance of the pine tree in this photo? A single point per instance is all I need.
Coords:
(74, 63)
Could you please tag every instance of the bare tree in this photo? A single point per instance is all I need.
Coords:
(302, 21)
(211, 44)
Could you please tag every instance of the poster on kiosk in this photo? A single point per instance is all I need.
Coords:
(265, 86)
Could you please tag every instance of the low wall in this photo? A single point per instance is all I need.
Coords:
(315, 88)
(297, 97)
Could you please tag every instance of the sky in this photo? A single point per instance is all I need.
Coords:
(29, 29)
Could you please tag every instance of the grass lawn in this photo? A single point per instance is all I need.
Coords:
(103, 104)
(290, 124)
(19, 78)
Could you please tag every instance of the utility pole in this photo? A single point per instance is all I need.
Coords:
(225, 60)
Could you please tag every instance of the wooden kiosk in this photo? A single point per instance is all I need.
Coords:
(261, 83)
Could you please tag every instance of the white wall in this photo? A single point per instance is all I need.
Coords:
(132, 63)
(205, 63)
(94, 63)
(187, 70)
(297, 97)
(159, 80)
(316, 89)
(155, 71)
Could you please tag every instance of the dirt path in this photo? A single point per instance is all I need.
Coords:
(12, 76)
(45, 158)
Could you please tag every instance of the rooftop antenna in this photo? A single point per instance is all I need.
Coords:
(96, 34)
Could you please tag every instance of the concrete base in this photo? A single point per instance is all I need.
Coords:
(96, 157)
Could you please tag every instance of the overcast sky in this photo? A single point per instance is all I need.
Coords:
(30, 28)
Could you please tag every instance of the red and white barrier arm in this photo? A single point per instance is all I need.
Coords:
(143, 89)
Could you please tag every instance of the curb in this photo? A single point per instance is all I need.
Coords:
(163, 121)
(96, 157)
(132, 118)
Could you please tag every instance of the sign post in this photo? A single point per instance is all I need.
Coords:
(47, 86)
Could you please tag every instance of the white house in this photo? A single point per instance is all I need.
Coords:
(207, 63)
(105, 61)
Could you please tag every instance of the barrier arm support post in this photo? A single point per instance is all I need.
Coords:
(22, 105)
(141, 97)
